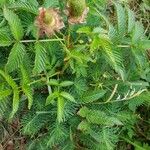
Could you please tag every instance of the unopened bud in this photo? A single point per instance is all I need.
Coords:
(77, 11)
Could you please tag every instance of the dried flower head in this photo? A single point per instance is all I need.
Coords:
(77, 11)
(49, 21)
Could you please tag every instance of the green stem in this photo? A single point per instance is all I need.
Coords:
(45, 40)
(36, 81)
(64, 46)
(68, 36)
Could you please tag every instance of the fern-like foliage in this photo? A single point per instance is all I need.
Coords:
(98, 117)
(85, 86)
(6, 39)
(26, 86)
(14, 23)
(27, 6)
(40, 58)
(14, 87)
(16, 57)
(32, 123)
(121, 18)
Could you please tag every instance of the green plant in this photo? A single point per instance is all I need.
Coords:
(74, 86)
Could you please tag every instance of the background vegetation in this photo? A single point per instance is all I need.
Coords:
(86, 87)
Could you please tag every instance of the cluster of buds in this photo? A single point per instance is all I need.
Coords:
(50, 21)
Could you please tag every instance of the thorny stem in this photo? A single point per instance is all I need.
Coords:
(48, 86)
(121, 46)
(121, 100)
(113, 93)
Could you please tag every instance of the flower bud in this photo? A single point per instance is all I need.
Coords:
(77, 11)
(49, 21)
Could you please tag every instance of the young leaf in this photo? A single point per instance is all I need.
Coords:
(66, 83)
(67, 96)
(86, 30)
(51, 97)
(53, 82)
(60, 109)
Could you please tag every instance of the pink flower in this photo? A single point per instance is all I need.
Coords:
(49, 21)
